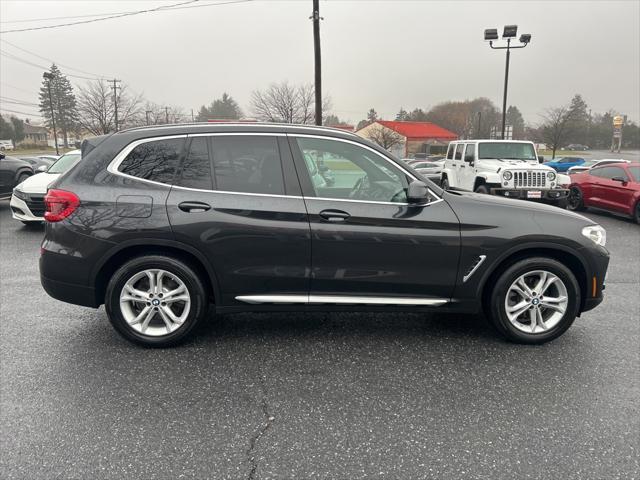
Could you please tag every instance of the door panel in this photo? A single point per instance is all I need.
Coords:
(366, 244)
(388, 250)
(257, 243)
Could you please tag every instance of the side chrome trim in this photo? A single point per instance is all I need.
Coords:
(473, 270)
(338, 300)
(236, 193)
(279, 299)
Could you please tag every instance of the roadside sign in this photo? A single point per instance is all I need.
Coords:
(618, 121)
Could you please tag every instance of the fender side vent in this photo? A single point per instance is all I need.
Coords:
(473, 268)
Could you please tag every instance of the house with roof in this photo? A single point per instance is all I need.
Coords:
(405, 139)
(34, 135)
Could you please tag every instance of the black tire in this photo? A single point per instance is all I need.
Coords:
(497, 312)
(575, 201)
(482, 189)
(22, 177)
(637, 213)
(195, 287)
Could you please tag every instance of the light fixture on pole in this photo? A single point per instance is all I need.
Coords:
(509, 32)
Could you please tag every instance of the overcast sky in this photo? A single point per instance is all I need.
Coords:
(382, 54)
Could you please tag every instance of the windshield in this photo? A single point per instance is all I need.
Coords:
(64, 163)
(510, 151)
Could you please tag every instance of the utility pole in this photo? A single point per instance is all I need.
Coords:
(166, 114)
(506, 83)
(115, 99)
(479, 123)
(192, 117)
(48, 77)
(146, 113)
(317, 60)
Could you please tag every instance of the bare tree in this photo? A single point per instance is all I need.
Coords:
(286, 103)
(556, 127)
(96, 108)
(385, 137)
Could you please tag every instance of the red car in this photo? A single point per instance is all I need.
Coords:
(613, 187)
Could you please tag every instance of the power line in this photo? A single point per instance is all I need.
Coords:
(175, 6)
(50, 59)
(71, 17)
(15, 88)
(4, 53)
(21, 113)
(17, 102)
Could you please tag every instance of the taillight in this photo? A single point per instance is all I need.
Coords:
(59, 204)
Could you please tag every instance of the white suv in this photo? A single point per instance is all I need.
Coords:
(508, 168)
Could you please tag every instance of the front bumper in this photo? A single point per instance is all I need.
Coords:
(20, 210)
(532, 193)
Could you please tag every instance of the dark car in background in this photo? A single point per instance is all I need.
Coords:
(612, 187)
(39, 164)
(13, 171)
(159, 223)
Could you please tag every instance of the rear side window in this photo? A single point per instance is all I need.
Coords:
(248, 164)
(156, 160)
(196, 168)
(450, 151)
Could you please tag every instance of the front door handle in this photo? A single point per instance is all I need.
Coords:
(194, 207)
(334, 215)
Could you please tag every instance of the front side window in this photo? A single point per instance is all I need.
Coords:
(450, 151)
(469, 153)
(247, 164)
(346, 171)
(156, 160)
(196, 168)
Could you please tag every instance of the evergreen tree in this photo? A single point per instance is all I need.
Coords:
(372, 115)
(514, 118)
(63, 100)
(402, 115)
(224, 108)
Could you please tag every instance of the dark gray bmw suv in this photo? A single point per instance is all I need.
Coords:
(158, 223)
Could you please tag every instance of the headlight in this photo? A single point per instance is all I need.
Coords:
(19, 194)
(507, 175)
(595, 233)
(551, 175)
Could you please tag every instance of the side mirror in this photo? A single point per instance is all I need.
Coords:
(540, 158)
(619, 179)
(417, 192)
(41, 168)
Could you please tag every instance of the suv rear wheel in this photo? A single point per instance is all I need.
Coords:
(535, 300)
(155, 300)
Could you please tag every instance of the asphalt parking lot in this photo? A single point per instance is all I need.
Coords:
(316, 396)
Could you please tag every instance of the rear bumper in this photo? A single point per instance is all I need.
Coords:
(70, 293)
(551, 195)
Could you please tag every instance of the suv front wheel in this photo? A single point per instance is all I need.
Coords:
(155, 300)
(534, 300)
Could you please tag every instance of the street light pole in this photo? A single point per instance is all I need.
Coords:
(48, 77)
(508, 33)
(317, 60)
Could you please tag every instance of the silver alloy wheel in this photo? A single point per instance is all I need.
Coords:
(155, 302)
(536, 301)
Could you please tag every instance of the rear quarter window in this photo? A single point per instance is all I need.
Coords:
(157, 160)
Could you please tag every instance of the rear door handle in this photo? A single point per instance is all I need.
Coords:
(194, 207)
(334, 215)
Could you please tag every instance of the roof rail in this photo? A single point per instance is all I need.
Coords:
(236, 124)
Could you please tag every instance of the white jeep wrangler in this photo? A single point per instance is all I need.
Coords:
(509, 168)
